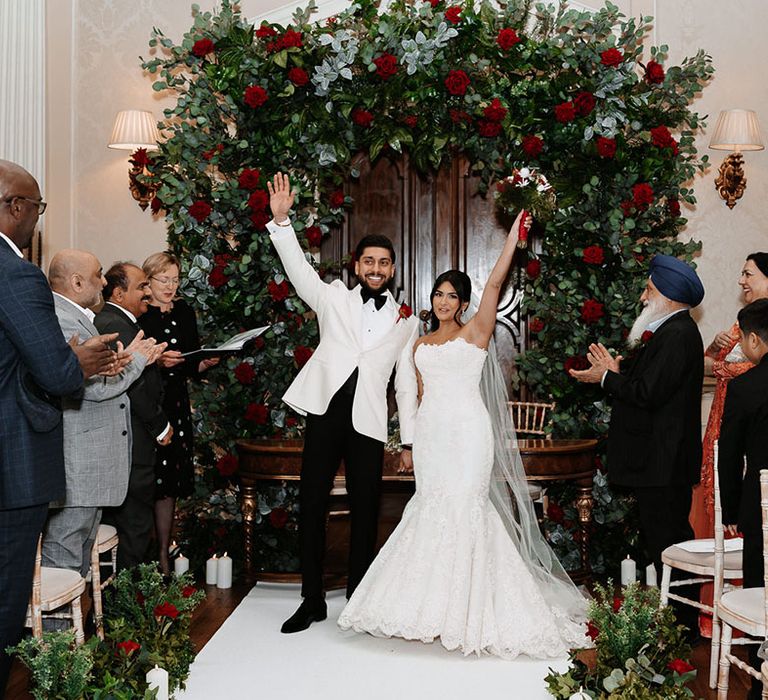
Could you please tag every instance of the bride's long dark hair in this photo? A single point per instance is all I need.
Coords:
(461, 283)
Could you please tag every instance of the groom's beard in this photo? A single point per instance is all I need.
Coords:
(653, 311)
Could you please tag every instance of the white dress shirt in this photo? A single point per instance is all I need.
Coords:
(89, 314)
(376, 322)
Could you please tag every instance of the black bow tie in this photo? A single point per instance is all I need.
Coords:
(379, 298)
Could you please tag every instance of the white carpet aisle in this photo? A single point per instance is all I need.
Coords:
(249, 658)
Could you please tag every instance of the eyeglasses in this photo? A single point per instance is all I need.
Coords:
(167, 281)
(39, 203)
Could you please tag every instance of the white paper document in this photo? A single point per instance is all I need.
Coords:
(234, 344)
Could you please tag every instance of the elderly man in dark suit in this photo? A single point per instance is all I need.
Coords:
(127, 295)
(37, 366)
(654, 439)
(97, 424)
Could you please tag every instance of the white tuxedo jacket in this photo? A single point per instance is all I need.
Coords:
(339, 315)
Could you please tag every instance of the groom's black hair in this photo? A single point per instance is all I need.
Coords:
(374, 240)
(461, 283)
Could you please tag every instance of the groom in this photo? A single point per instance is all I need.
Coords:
(342, 390)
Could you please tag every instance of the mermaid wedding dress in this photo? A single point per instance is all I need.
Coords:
(451, 570)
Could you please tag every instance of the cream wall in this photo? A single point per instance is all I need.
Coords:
(93, 72)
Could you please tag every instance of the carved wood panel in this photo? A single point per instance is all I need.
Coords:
(436, 222)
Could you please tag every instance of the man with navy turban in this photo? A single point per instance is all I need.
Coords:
(654, 440)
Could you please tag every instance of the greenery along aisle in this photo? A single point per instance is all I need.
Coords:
(564, 92)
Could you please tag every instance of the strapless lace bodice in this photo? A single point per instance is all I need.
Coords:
(450, 368)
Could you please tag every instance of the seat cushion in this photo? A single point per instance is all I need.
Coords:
(59, 586)
(744, 609)
(677, 555)
(106, 538)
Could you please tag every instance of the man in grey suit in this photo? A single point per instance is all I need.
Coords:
(97, 424)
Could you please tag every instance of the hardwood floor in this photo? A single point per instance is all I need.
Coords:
(219, 604)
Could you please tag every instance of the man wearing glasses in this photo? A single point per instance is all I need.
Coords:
(37, 367)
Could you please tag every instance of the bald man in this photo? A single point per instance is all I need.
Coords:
(37, 367)
(97, 424)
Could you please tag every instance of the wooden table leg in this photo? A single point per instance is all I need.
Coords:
(584, 503)
(248, 503)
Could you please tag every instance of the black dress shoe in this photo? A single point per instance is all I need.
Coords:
(311, 610)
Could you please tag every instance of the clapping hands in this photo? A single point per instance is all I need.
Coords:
(600, 360)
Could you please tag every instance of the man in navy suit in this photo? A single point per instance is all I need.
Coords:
(37, 366)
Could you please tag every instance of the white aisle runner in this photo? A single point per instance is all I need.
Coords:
(249, 658)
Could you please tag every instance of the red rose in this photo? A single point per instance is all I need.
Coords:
(612, 57)
(258, 200)
(298, 76)
(638, 257)
(207, 155)
(244, 373)
(265, 32)
(592, 311)
(256, 413)
(507, 38)
(362, 117)
(488, 129)
(680, 666)
(617, 601)
(457, 82)
(386, 65)
(593, 255)
(654, 73)
(495, 112)
(434, 3)
(200, 210)
(259, 219)
(249, 179)
(202, 47)
(532, 146)
(453, 14)
(227, 465)
(533, 268)
(459, 115)
(188, 591)
(411, 121)
(536, 325)
(336, 200)
(291, 39)
(291, 422)
(642, 195)
(301, 355)
(156, 205)
(673, 207)
(555, 512)
(627, 208)
(314, 236)
(565, 112)
(141, 158)
(166, 610)
(577, 362)
(404, 311)
(222, 259)
(584, 103)
(128, 647)
(278, 292)
(278, 517)
(255, 96)
(606, 148)
(140, 598)
(661, 138)
(646, 336)
(592, 631)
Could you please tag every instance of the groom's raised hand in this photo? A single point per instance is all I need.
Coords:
(280, 197)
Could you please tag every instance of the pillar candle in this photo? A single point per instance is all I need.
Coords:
(628, 571)
(211, 570)
(580, 695)
(158, 678)
(224, 572)
(180, 564)
(650, 576)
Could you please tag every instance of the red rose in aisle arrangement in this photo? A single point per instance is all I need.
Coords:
(386, 66)
(533, 268)
(244, 373)
(584, 103)
(298, 76)
(202, 47)
(536, 325)
(166, 610)
(457, 82)
(265, 32)
(606, 148)
(453, 14)
(336, 200)
(680, 666)
(362, 117)
(128, 647)
(411, 121)
(642, 195)
(278, 517)
(258, 200)
(249, 179)
(256, 413)
(301, 355)
(673, 207)
(278, 292)
(219, 148)
(255, 96)
(611, 58)
(290, 39)
(200, 210)
(593, 255)
(188, 591)
(592, 631)
(565, 112)
(495, 112)
(314, 236)
(532, 146)
(227, 465)
(488, 129)
(592, 311)
(507, 38)
(654, 73)
(555, 512)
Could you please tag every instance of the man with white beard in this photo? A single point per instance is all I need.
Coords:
(654, 439)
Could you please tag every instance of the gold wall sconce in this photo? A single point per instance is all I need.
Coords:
(736, 130)
(136, 131)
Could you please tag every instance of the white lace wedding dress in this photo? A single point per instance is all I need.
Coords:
(450, 570)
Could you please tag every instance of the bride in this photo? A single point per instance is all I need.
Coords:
(467, 563)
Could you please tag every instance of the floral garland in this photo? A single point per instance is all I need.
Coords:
(563, 92)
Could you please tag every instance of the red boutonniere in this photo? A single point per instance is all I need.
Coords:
(405, 311)
(646, 336)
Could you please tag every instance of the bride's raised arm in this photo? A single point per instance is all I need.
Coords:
(482, 324)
